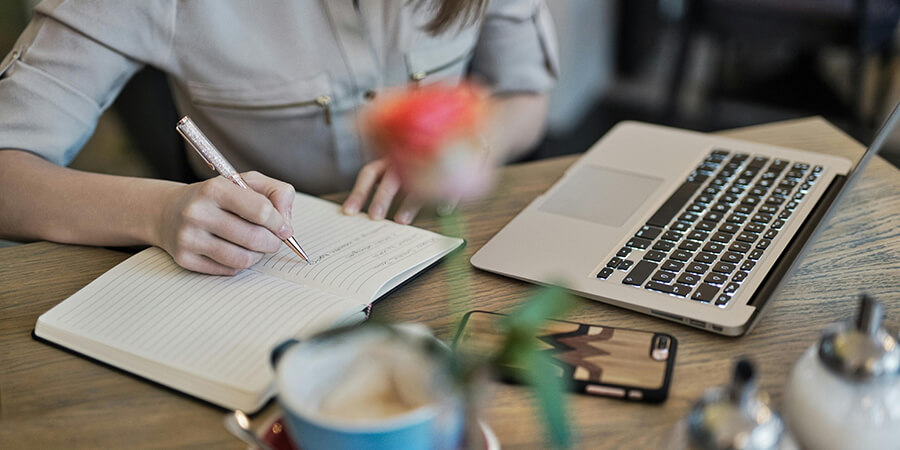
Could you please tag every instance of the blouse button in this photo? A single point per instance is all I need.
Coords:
(369, 95)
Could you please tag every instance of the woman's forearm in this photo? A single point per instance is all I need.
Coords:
(39, 200)
(519, 122)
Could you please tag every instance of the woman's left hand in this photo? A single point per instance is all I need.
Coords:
(381, 182)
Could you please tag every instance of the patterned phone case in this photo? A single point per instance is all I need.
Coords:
(613, 362)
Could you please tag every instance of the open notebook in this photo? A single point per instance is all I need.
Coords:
(210, 336)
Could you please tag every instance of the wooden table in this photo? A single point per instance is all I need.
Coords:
(52, 398)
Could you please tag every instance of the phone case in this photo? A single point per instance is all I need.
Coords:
(614, 362)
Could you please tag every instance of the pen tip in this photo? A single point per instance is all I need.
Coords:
(292, 243)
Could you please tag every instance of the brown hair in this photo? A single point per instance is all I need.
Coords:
(450, 12)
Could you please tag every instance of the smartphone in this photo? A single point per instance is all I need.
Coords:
(597, 360)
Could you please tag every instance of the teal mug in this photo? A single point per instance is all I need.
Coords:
(333, 399)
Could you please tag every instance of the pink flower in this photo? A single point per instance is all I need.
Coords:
(433, 137)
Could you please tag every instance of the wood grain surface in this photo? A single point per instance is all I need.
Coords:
(51, 398)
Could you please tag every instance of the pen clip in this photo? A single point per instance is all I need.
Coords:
(211, 166)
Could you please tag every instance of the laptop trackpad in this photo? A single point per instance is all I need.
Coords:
(601, 195)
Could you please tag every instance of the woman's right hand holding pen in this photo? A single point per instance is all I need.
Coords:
(216, 227)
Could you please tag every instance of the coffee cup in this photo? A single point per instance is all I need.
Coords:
(370, 386)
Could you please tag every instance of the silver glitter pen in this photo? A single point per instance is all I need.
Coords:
(217, 162)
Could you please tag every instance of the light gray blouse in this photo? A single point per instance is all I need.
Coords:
(274, 84)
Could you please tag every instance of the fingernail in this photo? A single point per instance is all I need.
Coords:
(404, 218)
(351, 208)
(285, 231)
(377, 213)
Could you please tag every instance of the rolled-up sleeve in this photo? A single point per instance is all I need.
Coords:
(54, 85)
(517, 49)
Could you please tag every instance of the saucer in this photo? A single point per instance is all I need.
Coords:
(276, 436)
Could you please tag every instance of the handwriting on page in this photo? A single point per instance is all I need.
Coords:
(350, 255)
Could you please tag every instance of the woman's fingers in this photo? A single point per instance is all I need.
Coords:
(384, 195)
(368, 177)
(250, 205)
(281, 194)
(408, 210)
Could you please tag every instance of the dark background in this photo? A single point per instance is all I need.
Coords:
(699, 64)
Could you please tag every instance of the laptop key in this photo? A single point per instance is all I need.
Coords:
(705, 225)
(689, 278)
(724, 267)
(778, 224)
(613, 263)
(639, 243)
(741, 247)
(754, 227)
(731, 257)
(681, 290)
(747, 237)
(681, 255)
(673, 236)
(673, 204)
(770, 234)
(605, 273)
(755, 255)
(641, 271)
(730, 288)
(663, 277)
(721, 208)
(704, 257)
(649, 232)
(758, 162)
(680, 226)
(721, 237)
(713, 247)
(768, 209)
(697, 236)
(672, 265)
(744, 209)
(737, 218)
(716, 278)
(626, 265)
(655, 256)
(663, 246)
(688, 217)
(763, 244)
(698, 268)
(689, 245)
(659, 287)
(729, 228)
(739, 276)
(762, 218)
(722, 300)
(748, 265)
(623, 252)
(696, 208)
(705, 293)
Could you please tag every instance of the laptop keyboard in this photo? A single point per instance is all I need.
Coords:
(705, 240)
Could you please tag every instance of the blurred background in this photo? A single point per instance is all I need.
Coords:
(699, 64)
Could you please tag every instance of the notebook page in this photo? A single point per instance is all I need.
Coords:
(218, 328)
(353, 256)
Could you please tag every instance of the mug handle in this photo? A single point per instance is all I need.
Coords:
(279, 351)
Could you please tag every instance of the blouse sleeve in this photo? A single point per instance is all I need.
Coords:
(517, 49)
(59, 77)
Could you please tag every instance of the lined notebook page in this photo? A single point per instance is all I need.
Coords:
(219, 328)
(352, 256)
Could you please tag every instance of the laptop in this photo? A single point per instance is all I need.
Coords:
(684, 226)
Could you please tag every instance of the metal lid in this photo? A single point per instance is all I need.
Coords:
(861, 351)
(735, 416)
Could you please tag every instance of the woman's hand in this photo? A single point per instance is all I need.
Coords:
(219, 228)
(378, 180)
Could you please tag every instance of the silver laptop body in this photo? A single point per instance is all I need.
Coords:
(619, 226)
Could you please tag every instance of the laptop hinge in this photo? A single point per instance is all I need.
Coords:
(785, 263)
